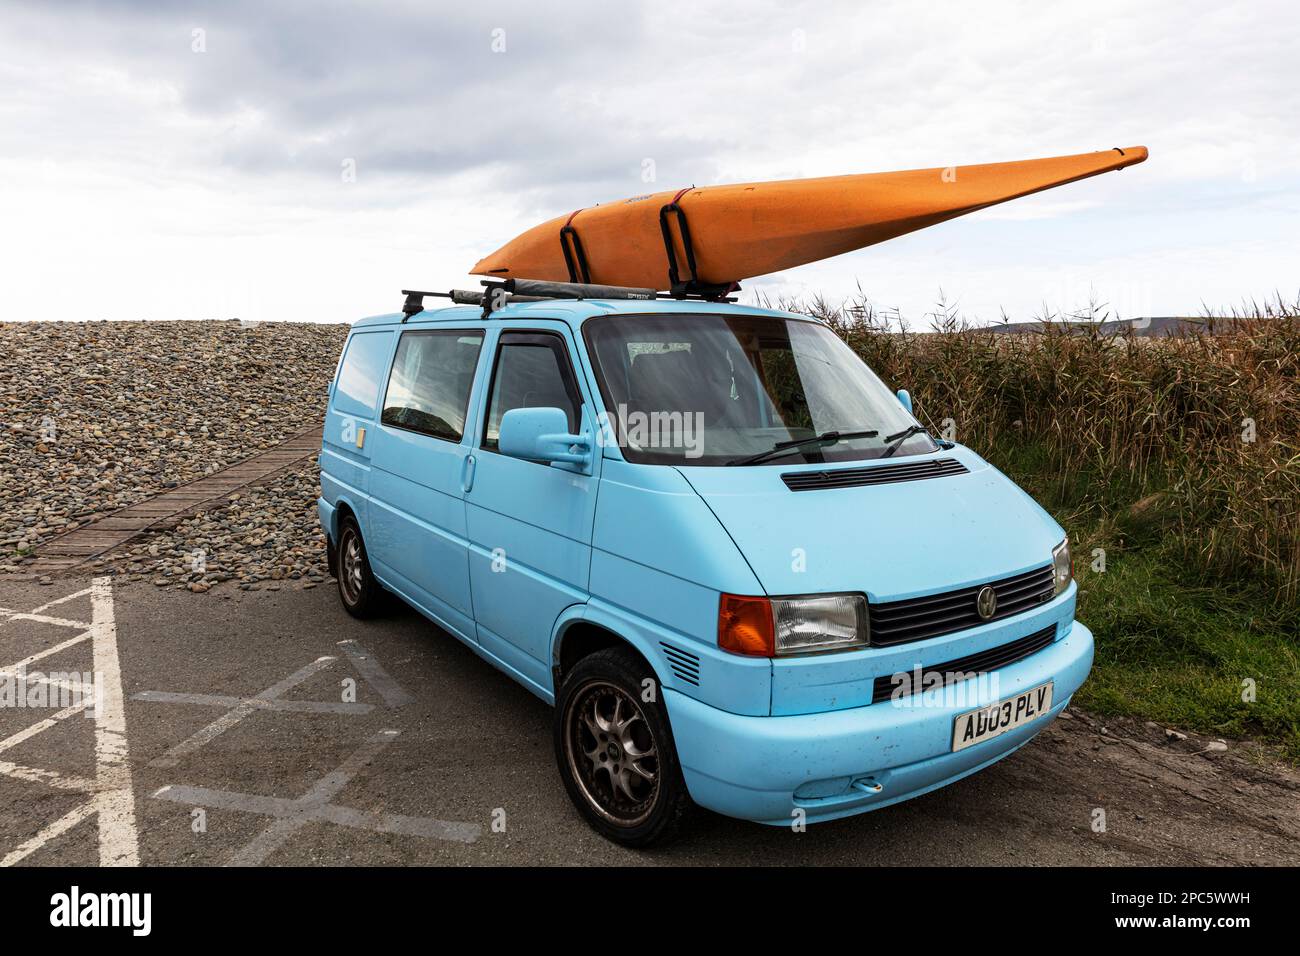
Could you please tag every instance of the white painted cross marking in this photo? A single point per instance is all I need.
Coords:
(270, 699)
(242, 709)
(111, 798)
(315, 807)
(55, 829)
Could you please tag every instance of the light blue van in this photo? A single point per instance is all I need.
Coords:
(743, 573)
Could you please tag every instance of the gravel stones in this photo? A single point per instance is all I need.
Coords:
(265, 537)
(95, 416)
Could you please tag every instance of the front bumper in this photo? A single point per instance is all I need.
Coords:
(839, 763)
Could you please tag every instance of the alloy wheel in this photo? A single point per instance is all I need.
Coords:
(612, 753)
(351, 570)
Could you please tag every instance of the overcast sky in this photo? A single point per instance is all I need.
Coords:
(191, 160)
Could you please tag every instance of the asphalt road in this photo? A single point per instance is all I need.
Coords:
(440, 759)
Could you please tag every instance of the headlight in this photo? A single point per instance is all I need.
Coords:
(779, 627)
(1062, 566)
(823, 623)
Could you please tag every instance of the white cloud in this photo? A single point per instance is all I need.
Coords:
(142, 179)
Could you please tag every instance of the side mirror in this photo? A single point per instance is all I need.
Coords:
(542, 434)
(904, 399)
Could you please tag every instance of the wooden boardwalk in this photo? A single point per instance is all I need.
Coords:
(68, 551)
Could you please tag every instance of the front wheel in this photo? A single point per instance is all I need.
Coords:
(615, 750)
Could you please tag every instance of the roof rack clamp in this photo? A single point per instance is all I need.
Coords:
(691, 286)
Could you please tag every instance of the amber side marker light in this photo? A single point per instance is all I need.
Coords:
(745, 626)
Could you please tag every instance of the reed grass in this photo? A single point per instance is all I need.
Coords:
(1173, 463)
(1195, 437)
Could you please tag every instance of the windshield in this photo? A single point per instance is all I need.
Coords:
(714, 389)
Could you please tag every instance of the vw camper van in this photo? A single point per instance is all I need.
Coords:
(743, 573)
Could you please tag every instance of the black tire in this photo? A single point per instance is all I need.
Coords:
(633, 812)
(361, 594)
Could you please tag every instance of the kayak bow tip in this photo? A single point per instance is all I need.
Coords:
(1132, 155)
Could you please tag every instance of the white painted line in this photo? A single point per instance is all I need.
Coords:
(50, 778)
(260, 703)
(292, 810)
(40, 619)
(241, 710)
(280, 807)
(314, 807)
(296, 678)
(70, 642)
(71, 686)
(65, 599)
(213, 730)
(271, 839)
(375, 675)
(35, 614)
(51, 832)
(333, 782)
(119, 844)
(40, 726)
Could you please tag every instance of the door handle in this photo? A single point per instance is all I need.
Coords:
(467, 474)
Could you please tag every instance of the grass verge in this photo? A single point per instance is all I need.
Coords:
(1173, 646)
(1175, 461)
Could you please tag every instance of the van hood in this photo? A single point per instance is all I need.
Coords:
(892, 541)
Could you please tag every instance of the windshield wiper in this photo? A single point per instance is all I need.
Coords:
(898, 438)
(782, 448)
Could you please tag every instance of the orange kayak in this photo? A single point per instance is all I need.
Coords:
(705, 239)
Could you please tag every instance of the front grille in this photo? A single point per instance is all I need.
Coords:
(915, 619)
(980, 663)
(683, 663)
(874, 475)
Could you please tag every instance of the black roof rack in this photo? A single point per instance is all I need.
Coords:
(496, 294)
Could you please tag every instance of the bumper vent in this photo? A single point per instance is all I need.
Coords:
(683, 663)
(984, 661)
(875, 475)
(916, 619)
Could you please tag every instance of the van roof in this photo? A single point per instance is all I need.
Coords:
(572, 311)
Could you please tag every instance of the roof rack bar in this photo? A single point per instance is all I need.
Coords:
(468, 297)
(572, 290)
(414, 303)
(498, 293)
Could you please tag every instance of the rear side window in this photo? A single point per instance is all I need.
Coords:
(432, 376)
(362, 373)
(532, 371)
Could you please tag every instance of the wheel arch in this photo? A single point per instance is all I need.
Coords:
(577, 635)
(341, 510)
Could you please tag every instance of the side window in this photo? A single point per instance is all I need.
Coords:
(432, 375)
(532, 371)
(361, 373)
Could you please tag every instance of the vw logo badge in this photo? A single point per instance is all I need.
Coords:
(986, 602)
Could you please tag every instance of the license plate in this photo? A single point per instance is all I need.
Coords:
(976, 726)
